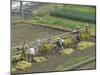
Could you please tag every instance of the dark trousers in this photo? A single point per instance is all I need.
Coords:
(30, 57)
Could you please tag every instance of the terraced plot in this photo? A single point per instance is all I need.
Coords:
(31, 33)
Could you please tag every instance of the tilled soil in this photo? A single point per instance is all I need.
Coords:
(57, 60)
(30, 33)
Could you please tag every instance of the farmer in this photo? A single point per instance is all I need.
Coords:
(77, 32)
(31, 53)
(39, 44)
(60, 43)
(87, 29)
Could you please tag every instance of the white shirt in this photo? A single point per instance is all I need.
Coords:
(61, 41)
(32, 51)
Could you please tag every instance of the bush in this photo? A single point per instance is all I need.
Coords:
(66, 51)
(39, 59)
(83, 45)
(22, 65)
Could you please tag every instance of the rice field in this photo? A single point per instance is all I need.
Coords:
(54, 17)
(31, 33)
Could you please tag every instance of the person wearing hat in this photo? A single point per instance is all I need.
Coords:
(59, 43)
(77, 33)
(31, 53)
(77, 30)
(39, 45)
(87, 28)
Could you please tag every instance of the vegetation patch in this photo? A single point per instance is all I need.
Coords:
(80, 13)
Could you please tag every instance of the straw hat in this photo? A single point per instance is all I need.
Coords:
(38, 40)
(78, 26)
(87, 25)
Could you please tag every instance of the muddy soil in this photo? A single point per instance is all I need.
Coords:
(56, 60)
(30, 33)
(87, 66)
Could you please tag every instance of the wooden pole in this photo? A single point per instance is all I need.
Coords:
(21, 10)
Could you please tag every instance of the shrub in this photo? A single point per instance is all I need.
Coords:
(66, 51)
(22, 65)
(83, 45)
(39, 59)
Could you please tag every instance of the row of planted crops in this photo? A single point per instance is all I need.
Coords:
(80, 13)
(67, 16)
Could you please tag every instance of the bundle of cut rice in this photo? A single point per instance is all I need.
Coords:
(16, 57)
(22, 65)
(66, 51)
(39, 59)
(83, 45)
(13, 70)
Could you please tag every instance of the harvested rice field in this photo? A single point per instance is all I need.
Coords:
(31, 33)
(60, 38)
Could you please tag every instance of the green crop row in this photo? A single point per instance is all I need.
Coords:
(60, 22)
(80, 13)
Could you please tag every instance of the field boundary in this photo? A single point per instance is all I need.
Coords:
(44, 25)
